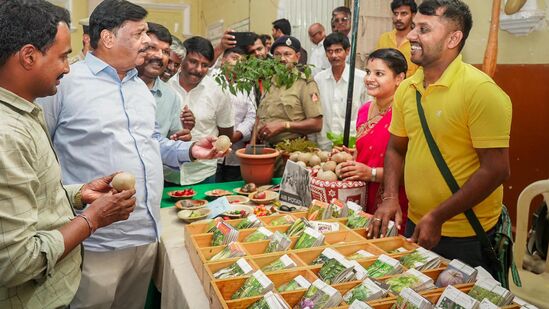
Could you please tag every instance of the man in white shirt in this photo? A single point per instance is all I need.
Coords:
(318, 58)
(212, 107)
(228, 168)
(333, 86)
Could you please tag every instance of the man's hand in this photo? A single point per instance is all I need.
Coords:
(187, 118)
(352, 170)
(227, 40)
(271, 129)
(427, 232)
(96, 189)
(110, 208)
(182, 135)
(204, 149)
(388, 210)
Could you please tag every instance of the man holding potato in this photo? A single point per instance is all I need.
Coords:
(40, 236)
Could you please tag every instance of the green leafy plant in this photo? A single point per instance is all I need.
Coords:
(337, 139)
(248, 73)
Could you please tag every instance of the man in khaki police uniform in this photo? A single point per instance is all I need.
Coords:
(294, 112)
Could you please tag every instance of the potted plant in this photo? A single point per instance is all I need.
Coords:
(258, 75)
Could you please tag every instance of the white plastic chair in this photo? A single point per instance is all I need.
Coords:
(535, 288)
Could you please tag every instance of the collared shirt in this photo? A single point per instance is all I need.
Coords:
(299, 102)
(168, 108)
(212, 108)
(465, 110)
(34, 206)
(244, 120)
(333, 95)
(99, 125)
(388, 40)
(318, 58)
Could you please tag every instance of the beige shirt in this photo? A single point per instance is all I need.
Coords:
(33, 205)
(299, 102)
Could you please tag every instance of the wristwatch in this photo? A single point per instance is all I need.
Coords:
(287, 125)
(374, 174)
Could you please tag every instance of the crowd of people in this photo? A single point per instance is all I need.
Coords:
(140, 100)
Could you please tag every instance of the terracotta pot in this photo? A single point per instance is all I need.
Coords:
(258, 168)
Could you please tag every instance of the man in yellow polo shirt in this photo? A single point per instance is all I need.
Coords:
(403, 15)
(469, 117)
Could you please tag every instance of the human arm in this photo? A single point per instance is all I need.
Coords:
(227, 41)
(393, 171)
(493, 171)
(31, 220)
(244, 128)
(303, 127)
(352, 170)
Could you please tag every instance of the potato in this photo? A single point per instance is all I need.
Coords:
(323, 155)
(314, 160)
(339, 157)
(347, 156)
(222, 143)
(329, 166)
(305, 156)
(123, 181)
(301, 163)
(327, 175)
(294, 156)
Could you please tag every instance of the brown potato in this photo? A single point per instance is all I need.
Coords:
(123, 181)
(222, 143)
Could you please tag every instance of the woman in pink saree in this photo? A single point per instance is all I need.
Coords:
(385, 70)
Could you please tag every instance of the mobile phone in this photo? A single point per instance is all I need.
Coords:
(243, 38)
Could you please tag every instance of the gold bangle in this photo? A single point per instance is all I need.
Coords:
(388, 197)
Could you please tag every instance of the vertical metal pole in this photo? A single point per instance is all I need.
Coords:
(347, 128)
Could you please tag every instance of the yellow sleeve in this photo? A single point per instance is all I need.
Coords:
(310, 99)
(397, 121)
(489, 116)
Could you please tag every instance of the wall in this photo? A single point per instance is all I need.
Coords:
(530, 49)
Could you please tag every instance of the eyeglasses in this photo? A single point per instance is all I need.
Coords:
(340, 20)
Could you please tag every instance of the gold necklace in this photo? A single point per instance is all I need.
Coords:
(380, 112)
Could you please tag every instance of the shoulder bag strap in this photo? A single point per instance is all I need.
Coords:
(451, 181)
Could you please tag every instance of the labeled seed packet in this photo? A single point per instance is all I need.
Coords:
(310, 238)
(249, 222)
(260, 234)
(284, 262)
(284, 220)
(456, 273)
(239, 268)
(360, 254)
(224, 233)
(319, 296)
(367, 290)
(339, 208)
(278, 242)
(324, 227)
(410, 299)
(257, 284)
(296, 283)
(297, 228)
(232, 250)
(384, 266)
(412, 279)
(492, 291)
(454, 298)
(421, 259)
(319, 211)
(270, 300)
(325, 255)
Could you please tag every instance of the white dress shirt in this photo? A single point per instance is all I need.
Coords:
(212, 108)
(333, 96)
(318, 58)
